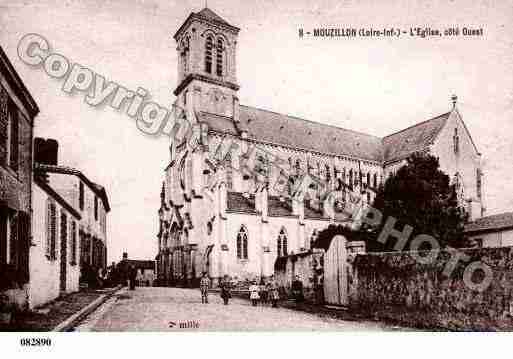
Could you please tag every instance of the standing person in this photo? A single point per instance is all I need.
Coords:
(297, 289)
(225, 289)
(263, 291)
(273, 293)
(204, 286)
(253, 293)
(132, 275)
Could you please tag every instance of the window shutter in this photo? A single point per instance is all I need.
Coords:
(73, 239)
(14, 146)
(48, 229)
(53, 231)
(4, 123)
(13, 239)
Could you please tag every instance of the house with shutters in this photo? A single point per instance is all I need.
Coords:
(54, 254)
(17, 114)
(257, 185)
(90, 201)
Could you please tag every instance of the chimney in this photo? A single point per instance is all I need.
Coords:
(46, 151)
(125, 255)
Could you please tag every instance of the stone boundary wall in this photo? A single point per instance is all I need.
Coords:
(395, 287)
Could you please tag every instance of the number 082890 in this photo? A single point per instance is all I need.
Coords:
(39, 342)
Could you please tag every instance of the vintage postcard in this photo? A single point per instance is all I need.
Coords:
(261, 166)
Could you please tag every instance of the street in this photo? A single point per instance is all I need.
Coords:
(177, 309)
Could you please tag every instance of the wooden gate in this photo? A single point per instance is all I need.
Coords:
(335, 272)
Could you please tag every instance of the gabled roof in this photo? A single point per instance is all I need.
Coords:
(490, 223)
(418, 137)
(96, 188)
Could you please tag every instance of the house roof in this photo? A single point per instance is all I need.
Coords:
(57, 197)
(96, 188)
(490, 223)
(415, 138)
(140, 264)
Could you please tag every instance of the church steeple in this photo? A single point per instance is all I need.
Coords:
(207, 79)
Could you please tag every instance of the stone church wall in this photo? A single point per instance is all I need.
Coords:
(389, 282)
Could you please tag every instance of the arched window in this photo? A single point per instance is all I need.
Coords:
(242, 243)
(229, 170)
(219, 57)
(456, 141)
(375, 180)
(208, 54)
(368, 179)
(282, 243)
(185, 54)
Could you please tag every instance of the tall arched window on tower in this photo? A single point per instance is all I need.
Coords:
(282, 243)
(242, 243)
(208, 54)
(185, 55)
(219, 57)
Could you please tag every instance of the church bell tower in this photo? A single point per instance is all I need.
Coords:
(207, 81)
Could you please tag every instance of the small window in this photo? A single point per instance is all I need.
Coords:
(456, 141)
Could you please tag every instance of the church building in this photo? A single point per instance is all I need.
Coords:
(259, 185)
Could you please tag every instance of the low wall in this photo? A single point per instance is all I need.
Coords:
(396, 287)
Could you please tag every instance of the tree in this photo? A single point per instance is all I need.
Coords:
(419, 195)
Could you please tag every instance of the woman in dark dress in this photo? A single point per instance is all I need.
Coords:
(225, 287)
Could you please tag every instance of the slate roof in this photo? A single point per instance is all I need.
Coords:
(237, 202)
(401, 144)
(275, 207)
(491, 223)
(210, 15)
(268, 126)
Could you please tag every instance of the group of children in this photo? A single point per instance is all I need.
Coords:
(263, 292)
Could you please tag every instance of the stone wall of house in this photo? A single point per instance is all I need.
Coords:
(396, 287)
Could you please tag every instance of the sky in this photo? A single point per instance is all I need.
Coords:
(376, 86)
